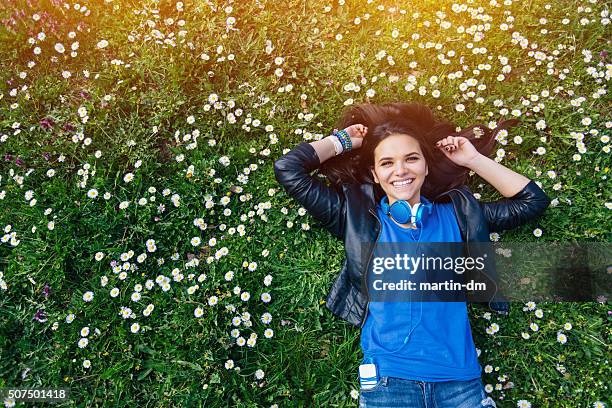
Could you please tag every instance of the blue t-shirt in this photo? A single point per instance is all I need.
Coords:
(440, 346)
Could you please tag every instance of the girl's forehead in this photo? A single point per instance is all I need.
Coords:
(397, 145)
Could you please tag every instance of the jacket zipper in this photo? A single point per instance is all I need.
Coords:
(365, 273)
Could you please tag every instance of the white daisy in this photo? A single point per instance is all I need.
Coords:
(561, 338)
(83, 342)
(266, 318)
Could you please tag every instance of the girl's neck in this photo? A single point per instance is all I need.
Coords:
(411, 201)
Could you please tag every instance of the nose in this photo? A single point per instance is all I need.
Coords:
(401, 168)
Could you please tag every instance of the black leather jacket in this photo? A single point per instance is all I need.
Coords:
(350, 215)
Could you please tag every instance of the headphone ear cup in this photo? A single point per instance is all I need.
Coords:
(419, 213)
(384, 205)
(400, 211)
(424, 207)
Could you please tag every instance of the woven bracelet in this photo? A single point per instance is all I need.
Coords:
(345, 139)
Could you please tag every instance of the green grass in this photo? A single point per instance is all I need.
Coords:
(138, 97)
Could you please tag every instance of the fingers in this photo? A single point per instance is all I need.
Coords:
(362, 130)
(449, 143)
(357, 130)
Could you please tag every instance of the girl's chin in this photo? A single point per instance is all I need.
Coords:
(405, 197)
(407, 194)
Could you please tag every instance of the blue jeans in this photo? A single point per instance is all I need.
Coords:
(392, 392)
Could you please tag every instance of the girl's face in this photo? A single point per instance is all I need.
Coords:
(400, 168)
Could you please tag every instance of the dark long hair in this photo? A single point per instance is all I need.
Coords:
(418, 121)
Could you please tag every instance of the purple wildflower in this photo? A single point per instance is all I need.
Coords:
(47, 123)
(40, 316)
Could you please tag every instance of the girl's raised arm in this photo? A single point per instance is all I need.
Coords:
(512, 212)
(525, 199)
(292, 171)
(325, 204)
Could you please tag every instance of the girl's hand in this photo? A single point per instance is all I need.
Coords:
(458, 149)
(356, 132)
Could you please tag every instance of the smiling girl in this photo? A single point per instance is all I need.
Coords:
(398, 174)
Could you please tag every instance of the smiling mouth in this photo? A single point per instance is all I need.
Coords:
(403, 184)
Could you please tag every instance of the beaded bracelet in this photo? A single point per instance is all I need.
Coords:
(345, 139)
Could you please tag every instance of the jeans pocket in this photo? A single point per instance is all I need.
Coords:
(381, 384)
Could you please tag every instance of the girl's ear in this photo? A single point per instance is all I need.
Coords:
(426, 170)
(374, 175)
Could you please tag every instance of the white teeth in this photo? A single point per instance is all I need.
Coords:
(403, 183)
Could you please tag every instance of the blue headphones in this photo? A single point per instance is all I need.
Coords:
(402, 212)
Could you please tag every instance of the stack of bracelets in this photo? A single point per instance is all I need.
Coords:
(341, 141)
(344, 138)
